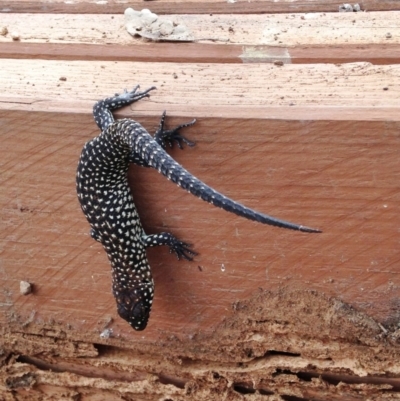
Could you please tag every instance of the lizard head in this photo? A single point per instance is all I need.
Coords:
(134, 305)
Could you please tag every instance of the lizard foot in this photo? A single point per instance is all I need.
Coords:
(170, 136)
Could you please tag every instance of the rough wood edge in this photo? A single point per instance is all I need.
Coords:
(149, 110)
(252, 352)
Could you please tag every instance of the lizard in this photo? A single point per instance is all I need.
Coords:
(106, 200)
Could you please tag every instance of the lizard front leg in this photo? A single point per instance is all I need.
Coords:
(102, 110)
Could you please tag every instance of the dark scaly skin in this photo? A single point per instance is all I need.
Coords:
(107, 203)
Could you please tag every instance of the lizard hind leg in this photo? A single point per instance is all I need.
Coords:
(164, 136)
(180, 248)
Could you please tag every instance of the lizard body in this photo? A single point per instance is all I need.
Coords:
(107, 203)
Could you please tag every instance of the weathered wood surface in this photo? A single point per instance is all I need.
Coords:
(290, 38)
(289, 30)
(262, 313)
(323, 165)
(204, 53)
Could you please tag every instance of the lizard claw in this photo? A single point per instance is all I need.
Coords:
(182, 250)
(170, 136)
(134, 95)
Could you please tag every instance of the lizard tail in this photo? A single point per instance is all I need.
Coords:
(157, 158)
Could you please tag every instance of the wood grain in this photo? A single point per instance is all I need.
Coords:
(275, 30)
(243, 87)
(325, 167)
(205, 53)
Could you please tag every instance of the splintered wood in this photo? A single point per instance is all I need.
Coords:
(297, 117)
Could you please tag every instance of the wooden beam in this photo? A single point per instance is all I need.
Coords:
(311, 154)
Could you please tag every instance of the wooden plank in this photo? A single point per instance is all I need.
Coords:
(314, 160)
(205, 53)
(286, 38)
(188, 7)
(245, 86)
(46, 238)
(260, 313)
(275, 30)
(261, 310)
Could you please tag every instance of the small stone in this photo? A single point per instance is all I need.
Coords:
(130, 12)
(345, 8)
(148, 25)
(166, 28)
(25, 288)
(180, 30)
(279, 63)
(388, 35)
(3, 31)
(106, 333)
(148, 17)
(63, 78)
